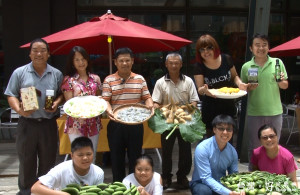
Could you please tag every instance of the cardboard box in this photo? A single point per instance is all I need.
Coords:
(29, 99)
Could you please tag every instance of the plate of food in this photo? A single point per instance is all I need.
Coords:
(132, 114)
(228, 92)
(85, 106)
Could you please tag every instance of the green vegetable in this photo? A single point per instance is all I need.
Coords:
(116, 188)
(191, 131)
(260, 182)
(75, 185)
(71, 190)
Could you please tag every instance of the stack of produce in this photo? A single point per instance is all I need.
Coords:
(178, 114)
(186, 118)
(260, 182)
(229, 90)
(116, 188)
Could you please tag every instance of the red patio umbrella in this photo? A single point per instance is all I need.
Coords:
(290, 48)
(100, 34)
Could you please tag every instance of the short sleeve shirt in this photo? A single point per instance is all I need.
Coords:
(182, 92)
(89, 126)
(25, 76)
(283, 163)
(216, 78)
(64, 173)
(119, 92)
(260, 102)
(154, 187)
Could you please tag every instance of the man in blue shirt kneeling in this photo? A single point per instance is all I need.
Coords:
(213, 157)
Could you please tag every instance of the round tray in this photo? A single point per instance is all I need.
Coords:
(122, 108)
(85, 106)
(227, 95)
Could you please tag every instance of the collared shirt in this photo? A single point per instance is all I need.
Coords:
(117, 91)
(210, 164)
(183, 92)
(265, 99)
(26, 76)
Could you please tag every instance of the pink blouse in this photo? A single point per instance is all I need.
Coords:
(283, 163)
(86, 127)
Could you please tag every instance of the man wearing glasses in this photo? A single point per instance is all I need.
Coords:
(213, 158)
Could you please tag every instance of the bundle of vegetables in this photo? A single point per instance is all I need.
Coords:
(186, 117)
(116, 188)
(259, 182)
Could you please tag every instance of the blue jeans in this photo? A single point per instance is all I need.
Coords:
(198, 188)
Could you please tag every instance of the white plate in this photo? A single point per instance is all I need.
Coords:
(219, 94)
(85, 106)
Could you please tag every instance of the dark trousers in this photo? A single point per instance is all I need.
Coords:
(185, 155)
(36, 147)
(198, 188)
(121, 138)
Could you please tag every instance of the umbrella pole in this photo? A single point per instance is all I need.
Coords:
(110, 55)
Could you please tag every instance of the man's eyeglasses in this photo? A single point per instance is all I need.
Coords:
(228, 129)
(39, 51)
(209, 48)
(268, 136)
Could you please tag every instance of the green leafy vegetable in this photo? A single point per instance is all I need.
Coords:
(191, 131)
(260, 182)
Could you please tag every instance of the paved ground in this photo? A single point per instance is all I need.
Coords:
(9, 166)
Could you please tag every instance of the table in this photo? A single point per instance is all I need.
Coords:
(150, 140)
(292, 107)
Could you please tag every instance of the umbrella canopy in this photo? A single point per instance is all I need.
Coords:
(100, 34)
(290, 48)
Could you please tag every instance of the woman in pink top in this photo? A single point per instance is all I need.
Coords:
(272, 157)
(78, 81)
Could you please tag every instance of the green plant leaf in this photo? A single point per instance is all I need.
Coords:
(191, 131)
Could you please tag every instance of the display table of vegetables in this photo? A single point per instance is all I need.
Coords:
(260, 182)
(116, 188)
(186, 117)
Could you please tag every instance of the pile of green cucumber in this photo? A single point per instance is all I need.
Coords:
(116, 188)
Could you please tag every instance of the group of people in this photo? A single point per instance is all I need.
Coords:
(37, 130)
(214, 156)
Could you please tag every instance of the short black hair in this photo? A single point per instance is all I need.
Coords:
(223, 119)
(39, 40)
(123, 50)
(81, 142)
(260, 36)
(145, 157)
(264, 127)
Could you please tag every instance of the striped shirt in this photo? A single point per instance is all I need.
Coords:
(119, 92)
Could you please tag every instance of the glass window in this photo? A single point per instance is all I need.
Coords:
(220, 3)
(153, 20)
(175, 23)
(294, 4)
(229, 31)
(276, 30)
(158, 3)
(277, 4)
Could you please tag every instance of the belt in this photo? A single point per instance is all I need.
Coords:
(35, 119)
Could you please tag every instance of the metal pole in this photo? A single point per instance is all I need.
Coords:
(109, 40)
